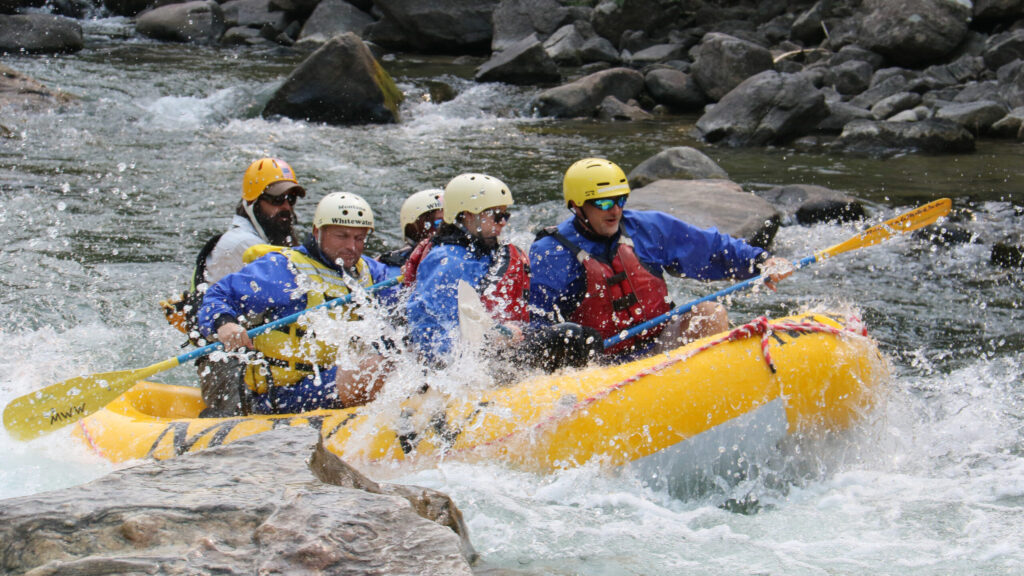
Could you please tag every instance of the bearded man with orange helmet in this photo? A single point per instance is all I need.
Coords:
(604, 266)
(297, 372)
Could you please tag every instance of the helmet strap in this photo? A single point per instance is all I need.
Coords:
(248, 207)
(584, 221)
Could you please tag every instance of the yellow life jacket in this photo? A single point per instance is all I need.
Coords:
(289, 354)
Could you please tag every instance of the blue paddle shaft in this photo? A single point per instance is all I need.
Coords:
(262, 329)
(684, 308)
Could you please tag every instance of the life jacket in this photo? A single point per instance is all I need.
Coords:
(618, 295)
(504, 289)
(289, 356)
(182, 310)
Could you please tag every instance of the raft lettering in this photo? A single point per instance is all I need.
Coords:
(183, 443)
(59, 415)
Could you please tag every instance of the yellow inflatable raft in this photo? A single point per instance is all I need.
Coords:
(757, 383)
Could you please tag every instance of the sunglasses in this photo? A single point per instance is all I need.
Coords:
(498, 217)
(605, 204)
(280, 199)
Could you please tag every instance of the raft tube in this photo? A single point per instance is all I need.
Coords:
(761, 381)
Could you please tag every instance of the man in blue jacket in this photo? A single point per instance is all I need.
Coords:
(604, 267)
(296, 372)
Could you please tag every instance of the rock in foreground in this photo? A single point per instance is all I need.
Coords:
(260, 505)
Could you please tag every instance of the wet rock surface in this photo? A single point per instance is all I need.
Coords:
(274, 503)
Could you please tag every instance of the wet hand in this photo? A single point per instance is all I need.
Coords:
(233, 337)
(775, 269)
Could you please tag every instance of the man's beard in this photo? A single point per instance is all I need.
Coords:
(280, 230)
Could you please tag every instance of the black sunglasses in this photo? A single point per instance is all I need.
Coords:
(281, 199)
(605, 204)
(498, 217)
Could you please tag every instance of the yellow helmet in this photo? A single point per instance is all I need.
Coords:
(593, 178)
(266, 171)
(473, 193)
(419, 204)
(343, 209)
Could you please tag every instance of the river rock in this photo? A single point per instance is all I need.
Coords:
(675, 89)
(199, 22)
(564, 45)
(978, 117)
(658, 53)
(39, 34)
(765, 109)
(895, 104)
(1011, 125)
(514, 20)
(18, 91)
(525, 62)
(721, 204)
(879, 90)
(253, 14)
(582, 97)
(810, 204)
(1001, 49)
(840, 114)
(1007, 255)
(612, 18)
(612, 108)
(914, 32)
(333, 18)
(1011, 83)
(441, 26)
(880, 138)
(273, 503)
(679, 163)
(340, 83)
(852, 77)
(722, 62)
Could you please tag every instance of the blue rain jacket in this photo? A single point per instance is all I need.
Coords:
(662, 243)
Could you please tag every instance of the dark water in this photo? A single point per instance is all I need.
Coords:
(104, 205)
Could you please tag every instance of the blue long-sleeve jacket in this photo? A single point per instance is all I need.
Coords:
(662, 242)
(266, 288)
(433, 307)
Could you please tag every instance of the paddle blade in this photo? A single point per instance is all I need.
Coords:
(907, 222)
(63, 403)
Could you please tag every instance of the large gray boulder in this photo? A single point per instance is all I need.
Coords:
(611, 18)
(679, 163)
(582, 97)
(712, 203)
(675, 89)
(199, 22)
(765, 109)
(274, 503)
(722, 62)
(332, 18)
(914, 32)
(39, 34)
(525, 62)
(810, 204)
(444, 26)
(978, 117)
(880, 138)
(514, 20)
(340, 83)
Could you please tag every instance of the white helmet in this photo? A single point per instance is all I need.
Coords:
(473, 193)
(419, 204)
(343, 209)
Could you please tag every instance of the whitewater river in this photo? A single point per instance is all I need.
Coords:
(104, 205)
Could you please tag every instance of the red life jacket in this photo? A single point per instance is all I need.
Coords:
(619, 295)
(504, 290)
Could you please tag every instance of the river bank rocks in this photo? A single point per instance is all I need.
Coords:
(850, 76)
(274, 503)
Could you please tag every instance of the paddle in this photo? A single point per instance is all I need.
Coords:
(60, 404)
(907, 222)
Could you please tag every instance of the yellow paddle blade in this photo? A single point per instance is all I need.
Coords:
(907, 222)
(60, 404)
